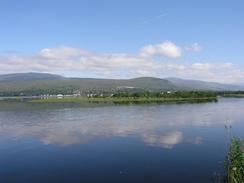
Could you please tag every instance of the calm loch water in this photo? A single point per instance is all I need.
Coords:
(120, 143)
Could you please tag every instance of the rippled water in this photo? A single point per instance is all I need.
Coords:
(118, 143)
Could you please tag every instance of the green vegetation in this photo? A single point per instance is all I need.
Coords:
(120, 100)
(175, 95)
(235, 162)
(237, 94)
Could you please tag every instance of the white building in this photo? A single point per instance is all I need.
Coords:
(60, 96)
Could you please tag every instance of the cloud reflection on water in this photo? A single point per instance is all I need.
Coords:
(155, 125)
(167, 140)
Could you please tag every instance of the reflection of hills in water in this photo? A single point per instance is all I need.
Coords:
(155, 125)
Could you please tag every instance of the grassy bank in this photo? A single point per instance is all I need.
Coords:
(122, 100)
(237, 94)
(235, 162)
(234, 95)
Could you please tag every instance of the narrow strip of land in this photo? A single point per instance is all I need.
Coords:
(121, 100)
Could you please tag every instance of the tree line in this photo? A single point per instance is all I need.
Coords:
(178, 94)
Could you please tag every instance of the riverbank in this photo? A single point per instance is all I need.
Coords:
(234, 95)
(235, 162)
(123, 100)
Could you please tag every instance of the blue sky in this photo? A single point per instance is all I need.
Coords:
(208, 33)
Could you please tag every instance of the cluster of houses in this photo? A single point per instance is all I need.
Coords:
(168, 92)
(76, 93)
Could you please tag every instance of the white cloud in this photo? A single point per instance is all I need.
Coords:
(167, 49)
(64, 53)
(195, 47)
(85, 63)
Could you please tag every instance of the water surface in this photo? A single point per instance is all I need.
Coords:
(116, 143)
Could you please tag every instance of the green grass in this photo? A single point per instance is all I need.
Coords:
(234, 95)
(235, 162)
(122, 100)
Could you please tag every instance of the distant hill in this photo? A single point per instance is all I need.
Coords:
(203, 85)
(41, 83)
(28, 77)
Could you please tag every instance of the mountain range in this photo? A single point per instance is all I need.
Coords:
(43, 83)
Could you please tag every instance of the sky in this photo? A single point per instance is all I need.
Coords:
(189, 39)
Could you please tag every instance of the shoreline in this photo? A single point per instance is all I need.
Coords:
(123, 100)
